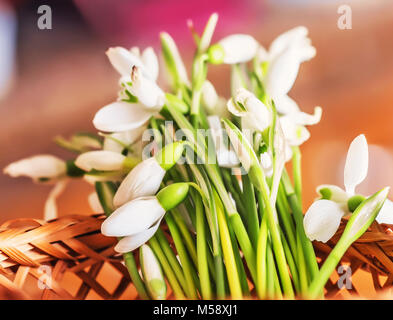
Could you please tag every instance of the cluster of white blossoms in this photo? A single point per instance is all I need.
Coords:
(258, 130)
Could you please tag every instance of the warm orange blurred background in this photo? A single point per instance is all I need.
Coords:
(61, 77)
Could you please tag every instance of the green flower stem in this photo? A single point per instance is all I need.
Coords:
(276, 239)
(220, 277)
(235, 194)
(251, 209)
(261, 286)
(286, 219)
(303, 279)
(137, 281)
(291, 263)
(177, 290)
(214, 175)
(308, 249)
(328, 267)
(239, 263)
(188, 239)
(229, 258)
(184, 258)
(106, 192)
(174, 263)
(297, 172)
(203, 268)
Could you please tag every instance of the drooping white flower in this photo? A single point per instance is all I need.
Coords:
(255, 115)
(138, 81)
(355, 171)
(283, 60)
(133, 217)
(238, 48)
(39, 168)
(101, 160)
(226, 157)
(143, 180)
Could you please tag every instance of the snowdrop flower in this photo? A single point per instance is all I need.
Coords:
(226, 157)
(140, 97)
(138, 220)
(284, 57)
(236, 48)
(101, 160)
(152, 273)
(40, 168)
(293, 125)
(255, 115)
(323, 217)
(43, 168)
(145, 179)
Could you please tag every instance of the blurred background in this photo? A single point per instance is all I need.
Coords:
(53, 81)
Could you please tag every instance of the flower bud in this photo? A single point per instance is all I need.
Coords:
(364, 215)
(152, 273)
(38, 168)
(170, 154)
(177, 103)
(171, 196)
(100, 160)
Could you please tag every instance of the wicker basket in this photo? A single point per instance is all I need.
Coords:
(68, 258)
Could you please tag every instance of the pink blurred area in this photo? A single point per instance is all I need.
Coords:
(125, 22)
(62, 78)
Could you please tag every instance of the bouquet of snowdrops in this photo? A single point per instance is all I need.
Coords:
(198, 184)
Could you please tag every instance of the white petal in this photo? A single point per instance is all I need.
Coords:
(121, 116)
(50, 210)
(130, 243)
(147, 91)
(133, 217)
(209, 96)
(239, 48)
(118, 140)
(322, 220)
(150, 62)
(285, 39)
(259, 116)
(385, 215)
(356, 165)
(150, 265)
(143, 180)
(94, 203)
(306, 119)
(36, 167)
(123, 60)
(100, 160)
(282, 73)
(284, 104)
